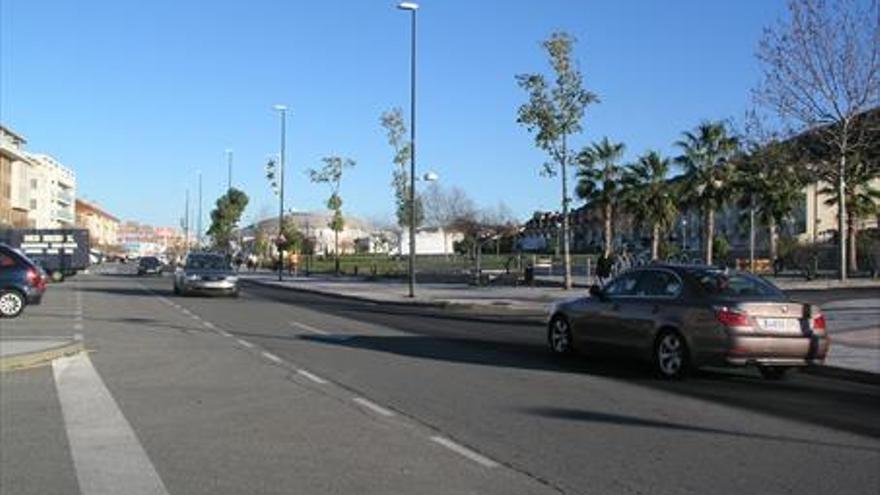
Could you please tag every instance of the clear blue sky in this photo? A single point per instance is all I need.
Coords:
(137, 96)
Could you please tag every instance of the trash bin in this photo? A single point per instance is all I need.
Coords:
(530, 275)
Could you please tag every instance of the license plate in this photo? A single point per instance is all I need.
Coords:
(774, 324)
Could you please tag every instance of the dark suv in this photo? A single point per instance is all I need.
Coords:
(21, 282)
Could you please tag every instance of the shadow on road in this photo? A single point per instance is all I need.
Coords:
(632, 421)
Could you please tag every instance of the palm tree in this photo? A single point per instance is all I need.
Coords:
(706, 156)
(770, 181)
(649, 196)
(598, 176)
(862, 199)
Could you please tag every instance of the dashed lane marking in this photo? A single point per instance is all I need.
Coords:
(464, 451)
(245, 343)
(309, 328)
(272, 357)
(311, 376)
(376, 408)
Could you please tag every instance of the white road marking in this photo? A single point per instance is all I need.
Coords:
(77, 326)
(225, 333)
(272, 357)
(106, 453)
(311, 376)
(464, 451)
(308, 328)
(195, 317)
(245, 343)
(376, 408)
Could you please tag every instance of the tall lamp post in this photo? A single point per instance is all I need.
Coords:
(199, 218)
(229, 169)
(412, 8)
(282, 110)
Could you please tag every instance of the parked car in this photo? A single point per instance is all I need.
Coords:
(21, 282)
(684, 316)
(149, 265)
(206, 273)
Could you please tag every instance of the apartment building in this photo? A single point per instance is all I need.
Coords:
(14, 164)
(103, 227)
(52, 193)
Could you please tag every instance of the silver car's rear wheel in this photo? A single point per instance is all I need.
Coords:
(11, 304)
(670, 355)
(559, 336)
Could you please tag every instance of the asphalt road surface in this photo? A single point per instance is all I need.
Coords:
(286, 392)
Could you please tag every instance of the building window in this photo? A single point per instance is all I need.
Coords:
(34, 183)
(33, 204)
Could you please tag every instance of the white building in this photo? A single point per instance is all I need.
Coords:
(51, 192)
(429, 241)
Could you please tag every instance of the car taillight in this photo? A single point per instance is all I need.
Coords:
(732, 318)
(34, 278)
(819, 322)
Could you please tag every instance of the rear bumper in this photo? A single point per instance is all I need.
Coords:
(777, 350)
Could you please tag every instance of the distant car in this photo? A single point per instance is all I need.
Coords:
(684, 316)
(21, 282)
(149, 265)
(206, 273)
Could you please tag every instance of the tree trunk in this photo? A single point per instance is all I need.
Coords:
(565, 240)
(853, 231)
(710, 234)
(609, 234)
(655, 242)
(774, 244)
(336, 250)
(841, 213)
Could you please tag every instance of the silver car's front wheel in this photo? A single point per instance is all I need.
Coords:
(670, 355)
(559, 336)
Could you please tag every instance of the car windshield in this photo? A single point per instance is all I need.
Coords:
(733, 284)
(206, 262)
(149, 261)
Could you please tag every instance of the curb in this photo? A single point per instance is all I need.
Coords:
(31, 359)
(469, 312)
(838, 373)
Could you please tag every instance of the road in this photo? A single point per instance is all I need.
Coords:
(285, 392)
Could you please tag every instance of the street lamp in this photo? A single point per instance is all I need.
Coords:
(282, 110)
(199, 219)
(412, 7)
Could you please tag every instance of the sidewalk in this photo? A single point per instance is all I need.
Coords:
(854, 324)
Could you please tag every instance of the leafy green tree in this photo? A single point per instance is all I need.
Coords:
(331, 174)
(862, 198)
(768, 179)
(395, 128)
(554, 112)
(649, 196)
(599, 176)
(225, 217)
(706, 158)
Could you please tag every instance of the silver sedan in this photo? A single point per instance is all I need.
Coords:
(206, 273)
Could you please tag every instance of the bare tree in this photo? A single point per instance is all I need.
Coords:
(444, 207)
(822, 71)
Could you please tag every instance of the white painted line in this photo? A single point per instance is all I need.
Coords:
(245, 343)
(208, 324)
(77, 326)
(196, 317)
(464, 451)
(225, 333)
(315, 378)
(186, 311)
(376, 408)
(272, 357)
(78, 318)
(308, 328)
(106, 453)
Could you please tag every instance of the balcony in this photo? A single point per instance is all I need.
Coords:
(64, 196)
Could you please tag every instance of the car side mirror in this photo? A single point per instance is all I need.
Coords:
(597, 292)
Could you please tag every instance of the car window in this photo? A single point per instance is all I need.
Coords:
(623, 285)
(733, 284)
(656, 283)
(206, 263)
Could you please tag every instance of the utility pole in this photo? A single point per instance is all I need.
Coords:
(283, 111)
(229, 166)
(752, 234)
(412, 8)
(186, 225)
(199, 218)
